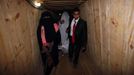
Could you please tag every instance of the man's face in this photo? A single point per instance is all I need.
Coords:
(76, 14)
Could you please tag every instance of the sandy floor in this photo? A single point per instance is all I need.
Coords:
(66, 68)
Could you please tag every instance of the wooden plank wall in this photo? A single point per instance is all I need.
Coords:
(19, 53)
(110, 36)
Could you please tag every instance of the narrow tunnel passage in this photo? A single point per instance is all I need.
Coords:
(110, 49)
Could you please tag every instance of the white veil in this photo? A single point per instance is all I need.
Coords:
(64, 36)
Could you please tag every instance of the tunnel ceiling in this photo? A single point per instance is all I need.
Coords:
(62, 4)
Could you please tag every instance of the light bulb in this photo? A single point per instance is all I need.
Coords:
(37, 4)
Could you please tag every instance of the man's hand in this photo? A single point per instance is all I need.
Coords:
(83, 49)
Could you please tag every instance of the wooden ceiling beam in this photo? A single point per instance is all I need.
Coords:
(62, 4)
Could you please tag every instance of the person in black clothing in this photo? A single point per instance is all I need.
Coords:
(48, 43)
(77, 33)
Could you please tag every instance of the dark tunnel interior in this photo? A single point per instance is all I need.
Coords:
(110, 43)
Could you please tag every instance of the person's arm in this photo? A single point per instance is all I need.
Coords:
(84, 37)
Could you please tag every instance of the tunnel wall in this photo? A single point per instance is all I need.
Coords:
(110, 36)
(19, 53)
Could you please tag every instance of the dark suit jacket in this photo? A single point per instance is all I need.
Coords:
(80, 33)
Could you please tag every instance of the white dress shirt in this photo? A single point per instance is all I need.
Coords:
(72, 24)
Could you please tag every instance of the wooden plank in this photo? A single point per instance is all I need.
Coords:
(18, 42)
(114, 30)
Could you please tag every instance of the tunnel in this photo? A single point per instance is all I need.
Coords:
(110, 37)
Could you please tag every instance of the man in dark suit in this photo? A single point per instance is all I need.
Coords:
(77, 32)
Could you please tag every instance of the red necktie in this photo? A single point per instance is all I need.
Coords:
(73, 35)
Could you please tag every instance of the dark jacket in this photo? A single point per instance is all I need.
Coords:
(80, 33)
